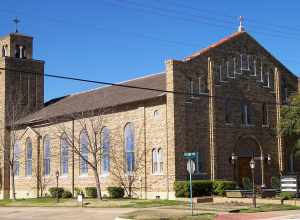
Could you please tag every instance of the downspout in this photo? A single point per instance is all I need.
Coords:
(145, 153)
(167, 142)
(38, 175)
(73, 158)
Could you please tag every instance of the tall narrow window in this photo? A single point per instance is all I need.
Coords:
(190, 87)
(129, 147)
(17, 158)
(28, 170)
(265, 120)
(157, 161)
(202, 84)
(245, 113)
(160, 160)
(284, 90)
(199, 163)
(47, 155)
(154, 161)
(84, 152)
(105, 140)
(3, 51)
(227, 111)
(245, 62)
(64, 155)
(17, 51)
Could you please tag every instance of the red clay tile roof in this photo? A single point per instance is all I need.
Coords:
(100, 98)
(220, 42)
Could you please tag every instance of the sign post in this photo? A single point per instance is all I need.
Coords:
(191, 169)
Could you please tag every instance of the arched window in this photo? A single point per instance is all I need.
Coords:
(160, 160)
(47, 155)
(64, 155)
(246, 113)
(157, 161)
(105, 140)
(17, 52)
(129, 147)
(154, 161)
(84, 152)
(28, 170)
(16, 158)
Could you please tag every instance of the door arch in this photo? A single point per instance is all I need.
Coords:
(247, 147)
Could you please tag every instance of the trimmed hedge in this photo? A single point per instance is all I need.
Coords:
(286, 195)
(203, 187)
(66, 194)
(219, 186)
(247, 184)
(54, 191)
(116, 192)
(91, 192)
(200, 188)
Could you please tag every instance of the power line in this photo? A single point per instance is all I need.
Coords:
(190, 18)
(146, 36)
(233, 17)
(189, 95)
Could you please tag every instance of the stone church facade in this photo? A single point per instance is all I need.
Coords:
(222, 102)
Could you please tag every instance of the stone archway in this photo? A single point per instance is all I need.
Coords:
(247, 147)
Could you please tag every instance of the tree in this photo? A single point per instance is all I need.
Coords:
(10, 137)
(290, 124)
(128, 160)
(86, 145)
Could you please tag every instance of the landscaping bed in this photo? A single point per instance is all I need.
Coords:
(166, 215)
(93, 203)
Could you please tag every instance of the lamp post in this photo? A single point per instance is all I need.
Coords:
(233, 160)
(57, 196)
(252, 166)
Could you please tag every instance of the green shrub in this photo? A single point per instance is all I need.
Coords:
(286, 195)
(219, 186)
(275, 182)
(77, 191)
(115, 192)
(91, 192)
(56, 191)
(200, 188)
(66, 194)
(247, 184)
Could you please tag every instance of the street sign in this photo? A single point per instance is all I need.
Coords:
(290, 184)
(190, 155)
(191, 166)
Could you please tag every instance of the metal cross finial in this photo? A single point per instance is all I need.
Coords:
(17, 21)
(241, 27)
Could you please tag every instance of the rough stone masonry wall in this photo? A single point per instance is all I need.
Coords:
(150, 132)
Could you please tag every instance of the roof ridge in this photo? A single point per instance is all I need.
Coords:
(106, 86)
(214, 45)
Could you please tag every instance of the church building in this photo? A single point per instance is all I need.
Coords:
(222, 102)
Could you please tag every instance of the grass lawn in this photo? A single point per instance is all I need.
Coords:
(166, 215)
(269, 208)
(105, 203)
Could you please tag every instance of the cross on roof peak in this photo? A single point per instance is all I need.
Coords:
(16, 21)
(241, 26)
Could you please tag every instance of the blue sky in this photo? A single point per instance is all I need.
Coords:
(116, 40)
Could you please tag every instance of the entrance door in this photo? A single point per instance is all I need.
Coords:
(243, 169)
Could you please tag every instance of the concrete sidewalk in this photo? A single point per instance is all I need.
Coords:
(278, 215)
(59, 213)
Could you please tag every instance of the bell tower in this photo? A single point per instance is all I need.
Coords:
(21, 93)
